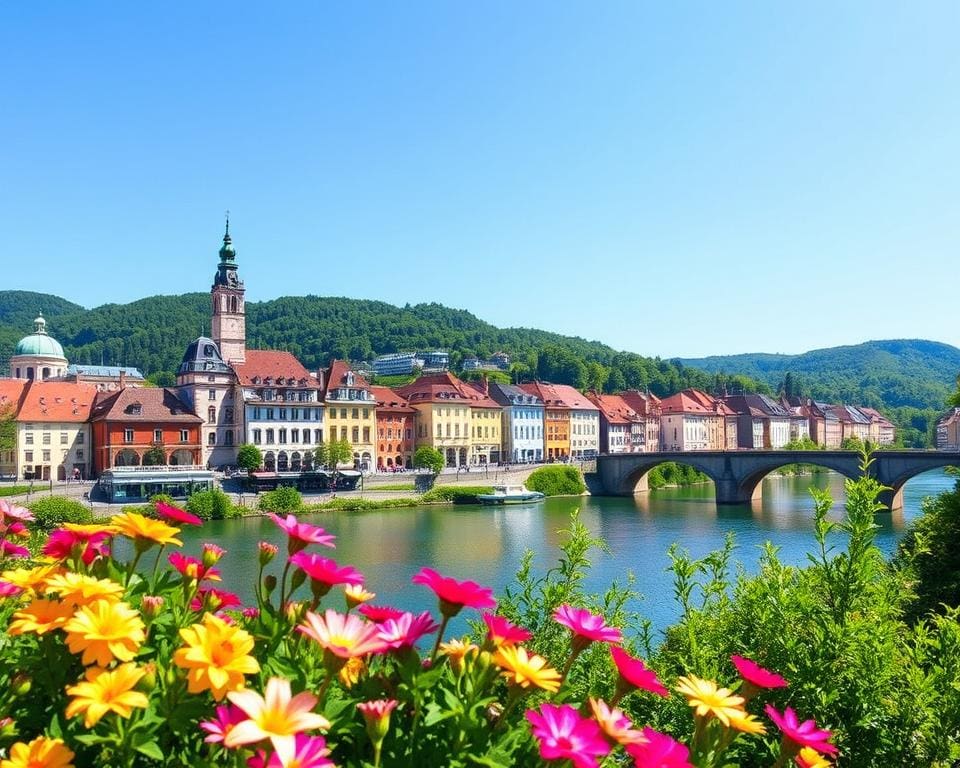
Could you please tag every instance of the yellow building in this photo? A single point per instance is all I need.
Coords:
(445, 420)
(351, 413)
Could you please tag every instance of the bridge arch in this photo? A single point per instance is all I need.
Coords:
(749, 483)
(896, 474)
(636, 480)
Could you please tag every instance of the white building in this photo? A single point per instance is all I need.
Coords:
(522, 423)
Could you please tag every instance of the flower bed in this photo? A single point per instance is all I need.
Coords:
(147, 662)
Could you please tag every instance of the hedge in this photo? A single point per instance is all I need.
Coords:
(559, 480)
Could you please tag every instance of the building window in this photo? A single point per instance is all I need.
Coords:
(211, 415)
(212, 438)
(80, 453)
(355, 435)
(366, 434)
(211, 394)
(158, 435)
(318, 436)
(63, 438)
(28, 455)
(228, 414)
(269, 437)
(184, 435)
(28, 438)
(46, 456)
(343, 433)
(256, 436)
(128, 435)
(46, 438)
(228, 437)
(294, 435)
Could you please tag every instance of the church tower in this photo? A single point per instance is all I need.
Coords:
(229, 326)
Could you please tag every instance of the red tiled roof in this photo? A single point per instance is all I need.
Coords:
(683, 402)
(273, 364)
(644, 403)
(444, 388)
(57, 401)
(559, 396)
(388, 400)
(336, 376)
(156, 405)
(614, 409)
(11, 392)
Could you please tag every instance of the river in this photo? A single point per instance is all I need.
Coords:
(486, 544)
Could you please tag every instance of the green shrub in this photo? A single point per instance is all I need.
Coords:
(456, 494)
(559, 480)
(212, 505)
(54, 511)
(356, 504)
(282, 499)
(671, 473)
(13, 490)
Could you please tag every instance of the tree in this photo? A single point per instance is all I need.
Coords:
(333, 454)
(162, 379)
(321, 455)
(428, 458)
(249, 457)
(8, 428)
(954, 400)
(154, 456)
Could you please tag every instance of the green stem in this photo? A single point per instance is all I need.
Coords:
(156, 566)
(133, 566)
(436, 645)
(283, 583)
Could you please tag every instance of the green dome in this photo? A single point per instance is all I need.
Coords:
(39, 343)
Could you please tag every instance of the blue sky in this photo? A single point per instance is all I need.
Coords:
(676, 179)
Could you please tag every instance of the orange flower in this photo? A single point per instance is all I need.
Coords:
(106, 691)
(39, 753)
(105, 631)
(40, 616)
(525, 669)
(615, 724)
(277, 716)
(216, 655)
(77, 589)
(745, 723)
(350, 672)
(145, 531)
(810, 758)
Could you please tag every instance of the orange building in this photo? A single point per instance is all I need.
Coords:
(556, 421)
(395, 430)
(130, 423)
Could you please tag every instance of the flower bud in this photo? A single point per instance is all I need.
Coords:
(149, 680)
(377, 716)
(150, 606)
(296, 580)
(211, 555)
(20, 684)
(7, 727)
(267, 552)
(269, 583)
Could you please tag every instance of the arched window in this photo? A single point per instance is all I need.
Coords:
(46, 373)
(233, 303)
(211, 415)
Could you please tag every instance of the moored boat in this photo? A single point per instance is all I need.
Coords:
(509, 494)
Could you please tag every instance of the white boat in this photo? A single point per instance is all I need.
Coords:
(509, 494)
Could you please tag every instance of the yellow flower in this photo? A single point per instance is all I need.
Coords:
(216, 655)
(457, 652)
(78, 589)
(29, 579)
(524, 669)
(106, 691)
(104, 632)
(40, 616)
(39, 753)
(741, 721)
(145, 531)
(89, 529)
(356, 594)
(720, 703)
(810, 758)
(350, 672)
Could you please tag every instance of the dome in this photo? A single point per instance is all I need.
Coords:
(39, 343)
(203, 355)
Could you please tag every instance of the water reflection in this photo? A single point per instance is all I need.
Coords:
(487, 544)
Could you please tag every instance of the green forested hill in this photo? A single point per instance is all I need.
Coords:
(153, 333)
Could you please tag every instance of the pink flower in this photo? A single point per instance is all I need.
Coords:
(210, 554)
(344, 635)
(634, 673)
(251, 613)
(212, 599)
(227, 716)
(176, 514)
(91, 545)
(564, 735)
(13, 550)
(299, 535)
(191, 568)
(805, 734)
(10, 510)
(266, 552)
(756, 675)
(309, 752)
(586, 625)
(17, 528)
(377, 717)
(501, 631)
(323, 572)
(658, 751)
(406, 630)
(380, 613)
(453, 594)
(9, 590)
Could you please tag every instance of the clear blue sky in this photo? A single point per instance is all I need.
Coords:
(675, 179)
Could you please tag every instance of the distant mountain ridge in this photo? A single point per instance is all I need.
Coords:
(896, 373)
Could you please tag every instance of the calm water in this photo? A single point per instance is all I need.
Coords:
(486, 544)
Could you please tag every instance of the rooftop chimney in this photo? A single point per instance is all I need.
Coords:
(123, 378)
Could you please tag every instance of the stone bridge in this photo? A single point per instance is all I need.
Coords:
(737, 475)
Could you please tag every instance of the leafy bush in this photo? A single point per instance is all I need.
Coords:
(212, 505)
(283, 499)
(930, 554)
(53, 511)
(356, 504)
(456, 494)
(671, 473)
(558, 480)
(427, 457)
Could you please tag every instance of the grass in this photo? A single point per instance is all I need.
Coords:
(13, 490)
(391, 487)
